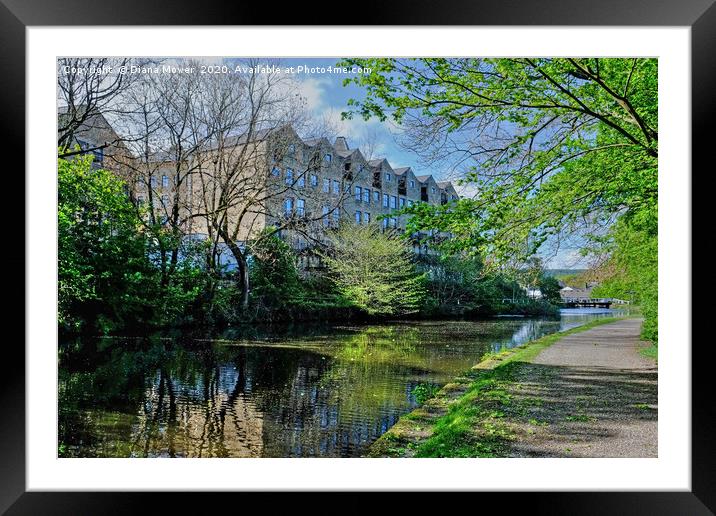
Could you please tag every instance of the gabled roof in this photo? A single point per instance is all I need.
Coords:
(257, 136)
(400, 171)
(312, 142)
(425, 178)
(382, 162)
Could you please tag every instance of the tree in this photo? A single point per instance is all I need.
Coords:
(451, 282)
(254, 120)
(167, 137)
(274, 275)
(104, 276)
(550, 289)
(553, 146)
(374, 270)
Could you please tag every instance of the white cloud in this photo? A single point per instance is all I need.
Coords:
(312, 89)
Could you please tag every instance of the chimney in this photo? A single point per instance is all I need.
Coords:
(341, 144)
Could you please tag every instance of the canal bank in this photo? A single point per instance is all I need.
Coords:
(584, 392)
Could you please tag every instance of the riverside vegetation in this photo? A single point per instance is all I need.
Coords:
(119, 272)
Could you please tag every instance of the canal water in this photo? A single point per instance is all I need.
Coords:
(294, 392)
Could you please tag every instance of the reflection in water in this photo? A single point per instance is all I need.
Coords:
(326, 392)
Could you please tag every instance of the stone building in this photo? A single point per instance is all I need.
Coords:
(275, 179)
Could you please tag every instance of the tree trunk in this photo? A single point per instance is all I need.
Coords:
(242, 277)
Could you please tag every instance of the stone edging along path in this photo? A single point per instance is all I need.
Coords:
(586, 392)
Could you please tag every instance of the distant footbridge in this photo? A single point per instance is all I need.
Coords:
(595, 302)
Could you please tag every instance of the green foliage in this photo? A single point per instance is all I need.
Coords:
(373, 270)
(104, 277)
(634, 272)
(549, 286)
(274, 275)
(113, 270)
(452, 284)
(424, 391)
(459, 285)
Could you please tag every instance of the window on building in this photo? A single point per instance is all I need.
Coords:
(98, 155)
(376, 196)
(393, 202)
(289, 176)
(412, 183)
(301, 181)
(140, 199)
(358, 217)
(327, 158)
(393, 222)
(288, 206)
(326, 185)
(291, 149)
(301, 207)
(359, 193)
(453, 197)
(386, 199)
(153, 182)
(336, 215)
(276, 172)
(324, 212)
(410, 203)
(385, 223)
(402, 202)
(388, 177)
(165, 182)
(336, 187)
(314, 180)
(366, 195)
(165, 199)
(432, 189)
(366, 217)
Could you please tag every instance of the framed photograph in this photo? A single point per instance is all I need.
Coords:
(432, 251)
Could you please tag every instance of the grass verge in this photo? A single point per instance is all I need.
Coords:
(652, 351)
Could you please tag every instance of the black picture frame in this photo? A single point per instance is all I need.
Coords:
(17, 15)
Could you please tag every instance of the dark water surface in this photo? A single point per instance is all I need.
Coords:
(301, 392)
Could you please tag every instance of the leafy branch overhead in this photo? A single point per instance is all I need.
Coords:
(552, 146)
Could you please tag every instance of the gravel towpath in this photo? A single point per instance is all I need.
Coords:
(591, 394)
